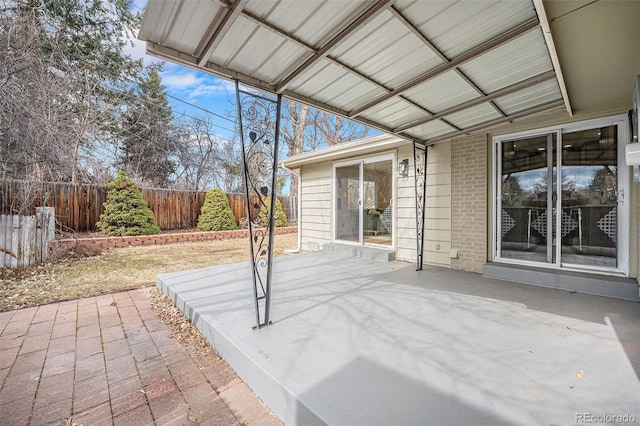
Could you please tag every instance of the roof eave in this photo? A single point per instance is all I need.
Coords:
(345, 150)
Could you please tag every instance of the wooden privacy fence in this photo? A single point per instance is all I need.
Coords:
(24, 240)
(78, 206)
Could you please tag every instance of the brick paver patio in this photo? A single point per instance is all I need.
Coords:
(110, 360)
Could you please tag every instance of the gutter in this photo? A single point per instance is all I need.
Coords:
(548, 38)
(296, 172)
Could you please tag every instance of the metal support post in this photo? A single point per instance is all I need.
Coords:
(259, 128)
(420, 174)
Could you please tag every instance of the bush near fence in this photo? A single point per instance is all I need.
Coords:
(78, 206)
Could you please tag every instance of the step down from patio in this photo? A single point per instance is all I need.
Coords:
(598, 284)
(370, 253)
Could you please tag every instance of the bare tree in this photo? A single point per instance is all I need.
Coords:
(310, 129)
(200, 154)
(29, 98)
(61, 87)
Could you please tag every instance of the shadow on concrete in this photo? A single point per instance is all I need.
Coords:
(485, 348)
(355, 392)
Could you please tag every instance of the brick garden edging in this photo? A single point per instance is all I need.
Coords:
(100, 244)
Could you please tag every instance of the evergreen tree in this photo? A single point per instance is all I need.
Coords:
(150, 139)
(216, 214)
(279, 219)
(125, 211)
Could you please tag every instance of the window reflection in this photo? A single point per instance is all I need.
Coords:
(587, 205)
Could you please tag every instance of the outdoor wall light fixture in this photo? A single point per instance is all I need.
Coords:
(403, 167)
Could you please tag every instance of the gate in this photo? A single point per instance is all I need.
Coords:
(24, 240)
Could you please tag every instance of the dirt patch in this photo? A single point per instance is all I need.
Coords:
(180, 327)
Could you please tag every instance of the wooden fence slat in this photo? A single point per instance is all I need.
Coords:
(4, 247)
(24, 240)
(15, 245)
(78, 207)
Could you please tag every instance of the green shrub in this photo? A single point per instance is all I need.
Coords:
(125, 211)
(215, 214)
(280, 218)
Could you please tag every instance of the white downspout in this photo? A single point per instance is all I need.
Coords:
(296, 172)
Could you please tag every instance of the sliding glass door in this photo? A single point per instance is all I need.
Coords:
(528, 180)
(559, 199)
(347, 212)
(590, 197)
(363, 205)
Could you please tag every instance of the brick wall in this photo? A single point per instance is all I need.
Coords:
(97, 245)
(469, 176)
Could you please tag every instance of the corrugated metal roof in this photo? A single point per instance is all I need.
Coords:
(525, 99)
(421, 70)
(441, 92)
(522, 58)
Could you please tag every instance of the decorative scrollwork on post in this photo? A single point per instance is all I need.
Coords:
(420, 174)
(259, 125)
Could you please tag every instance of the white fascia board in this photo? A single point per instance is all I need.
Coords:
(548, 38)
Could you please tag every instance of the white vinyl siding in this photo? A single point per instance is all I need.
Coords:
(406, 210)
(315, 214)
(437, 238)
(316, 204)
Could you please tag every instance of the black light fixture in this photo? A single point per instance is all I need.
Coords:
(403, 167)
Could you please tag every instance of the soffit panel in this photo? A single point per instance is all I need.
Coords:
(599, 50)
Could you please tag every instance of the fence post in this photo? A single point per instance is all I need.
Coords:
(45, 231)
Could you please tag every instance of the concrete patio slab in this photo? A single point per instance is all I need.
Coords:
(359, 342)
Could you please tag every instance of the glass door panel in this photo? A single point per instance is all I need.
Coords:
(590, 197)
(528, 197)
(377, 182)
(348, 209)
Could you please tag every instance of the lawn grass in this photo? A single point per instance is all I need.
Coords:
(118, 269)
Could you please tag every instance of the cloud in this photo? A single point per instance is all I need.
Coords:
(181, 80)
(218, 87)
(194, 86)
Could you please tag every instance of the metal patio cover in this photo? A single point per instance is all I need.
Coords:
(423, 70)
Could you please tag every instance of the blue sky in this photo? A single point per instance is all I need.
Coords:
(202, 90)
